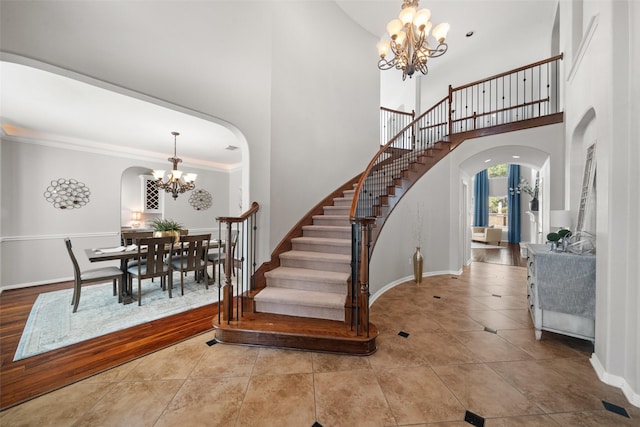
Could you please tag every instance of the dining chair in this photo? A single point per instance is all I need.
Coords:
(151, 256)
(95, 275)
(218, 257)
(131, 237)
(192, 257)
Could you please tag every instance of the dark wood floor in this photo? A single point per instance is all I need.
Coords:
(33, 376)
(510, 255)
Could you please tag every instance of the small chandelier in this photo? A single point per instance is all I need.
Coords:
(409, 41)
(176, 183)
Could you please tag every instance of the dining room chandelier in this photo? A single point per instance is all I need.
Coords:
(176, 182)
(409, 42)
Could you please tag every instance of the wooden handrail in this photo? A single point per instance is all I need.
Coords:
(253, 209)
(367, 171)
(412, 113)
(506, 73)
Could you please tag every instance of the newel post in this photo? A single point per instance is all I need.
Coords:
(227, 289)
(361, 267)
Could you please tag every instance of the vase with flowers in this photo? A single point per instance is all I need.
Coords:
(524, 187)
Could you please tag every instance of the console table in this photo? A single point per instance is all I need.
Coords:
(561, 291)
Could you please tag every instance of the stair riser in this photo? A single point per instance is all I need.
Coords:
(327, 234)
(337, 210)
(307, 285)
(319, 247)
(301, 311)
(319, 220)
(341, 201)
(316, 265)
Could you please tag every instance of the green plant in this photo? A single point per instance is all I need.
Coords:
(166, 225)
(564, 233)
(553, 237)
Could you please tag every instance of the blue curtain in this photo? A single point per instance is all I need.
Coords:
(481, 199)
(513, 204)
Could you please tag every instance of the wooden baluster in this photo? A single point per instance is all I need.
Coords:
(227, 290)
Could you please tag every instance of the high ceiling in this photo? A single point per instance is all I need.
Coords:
(39, 105)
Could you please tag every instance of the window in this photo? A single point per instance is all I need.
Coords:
(497, 171)
(498, 195)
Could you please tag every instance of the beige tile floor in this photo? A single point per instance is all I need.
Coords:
(448, 364)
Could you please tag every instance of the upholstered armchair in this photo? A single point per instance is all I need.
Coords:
(486, 234)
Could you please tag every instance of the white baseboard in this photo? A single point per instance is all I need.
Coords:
(405, 279)
(615, 381)
(39, 283)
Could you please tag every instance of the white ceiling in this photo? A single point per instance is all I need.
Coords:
(36, 104)
(495, 23)
(43, 106)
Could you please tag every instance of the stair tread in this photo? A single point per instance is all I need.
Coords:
(305, 274)
(300, 297)
(327, 227)
(316, 256)
(323, 240)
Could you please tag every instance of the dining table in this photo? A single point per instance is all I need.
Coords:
(125, 253)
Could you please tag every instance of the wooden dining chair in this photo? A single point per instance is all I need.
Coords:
(218, 257)
(131, 237)
(96, 275)
(152, 253)
(192, 257)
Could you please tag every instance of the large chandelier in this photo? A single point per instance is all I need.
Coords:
(409, 41)
(176, 182)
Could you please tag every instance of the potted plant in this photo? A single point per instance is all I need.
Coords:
(166, 227)
(524, 187)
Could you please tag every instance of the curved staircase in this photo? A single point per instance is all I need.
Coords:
(304, 298)
(313, 277)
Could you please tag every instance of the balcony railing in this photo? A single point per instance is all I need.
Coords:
(525, 97)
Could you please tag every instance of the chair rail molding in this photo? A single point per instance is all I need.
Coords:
(58, 236)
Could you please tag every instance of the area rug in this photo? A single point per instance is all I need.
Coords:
(478, 245)
(52, 325)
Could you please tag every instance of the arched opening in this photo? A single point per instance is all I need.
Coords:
(533, 164)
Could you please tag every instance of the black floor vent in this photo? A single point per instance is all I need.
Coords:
(615, 409)
(212, 342)
(474, 419)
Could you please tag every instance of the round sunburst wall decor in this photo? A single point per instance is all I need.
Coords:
(67, 194)
(200, 199)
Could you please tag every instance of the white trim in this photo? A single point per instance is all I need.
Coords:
(405, 279)
(615, 381)
(58, 236)
(34, 63)
(582, 49)
(86, 146)
(39, 283)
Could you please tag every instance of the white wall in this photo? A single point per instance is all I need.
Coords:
(175, 51)
(31, 225)
(314, 111)
(324, 107)
(601, 84)
(391, 258)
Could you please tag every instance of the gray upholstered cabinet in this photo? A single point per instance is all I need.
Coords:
(561, 291)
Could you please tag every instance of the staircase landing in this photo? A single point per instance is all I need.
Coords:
(298, 333)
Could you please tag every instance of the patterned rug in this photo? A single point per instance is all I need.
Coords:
(51, 323)
(479, 245)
